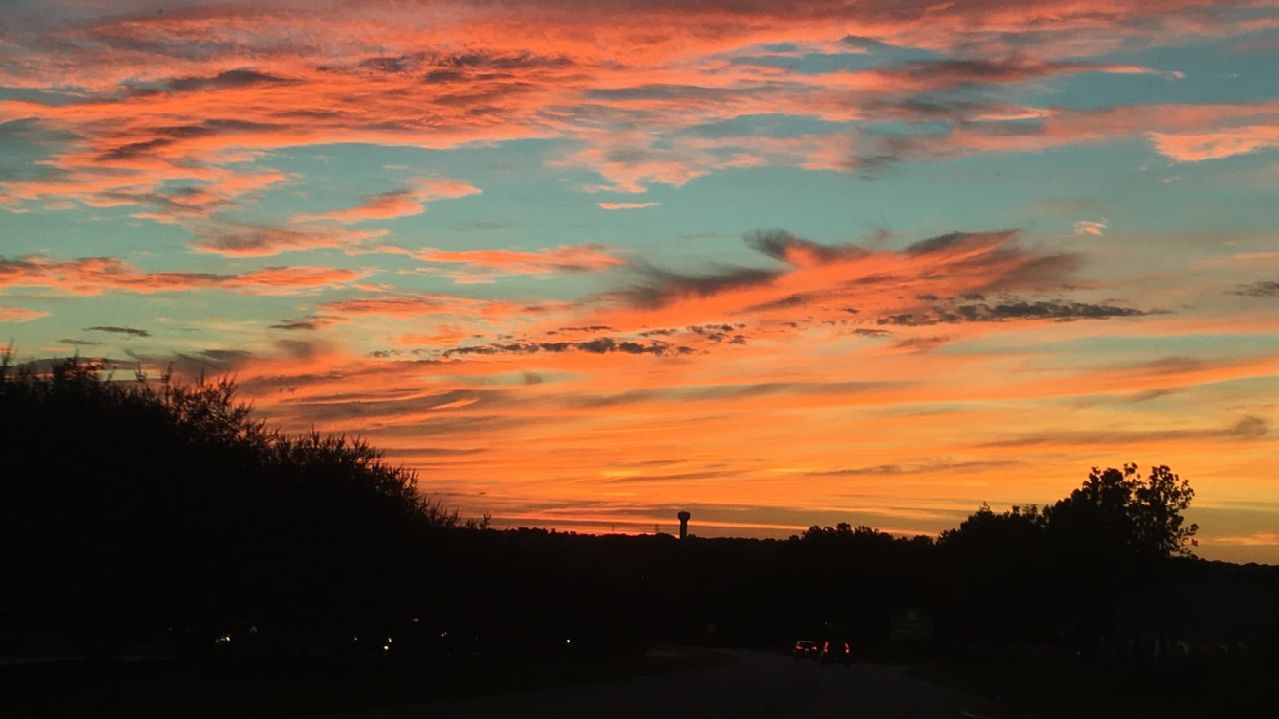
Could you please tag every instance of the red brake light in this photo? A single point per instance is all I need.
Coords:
(825, 646)
(847, 649)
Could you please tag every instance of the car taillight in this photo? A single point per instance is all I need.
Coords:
(847, 649)
(826, 647)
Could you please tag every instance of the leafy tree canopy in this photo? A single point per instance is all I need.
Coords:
(1120, 510)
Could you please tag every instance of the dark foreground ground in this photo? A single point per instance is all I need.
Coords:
(663, 682)
(749, 685)
(1233, 688)
(670, 682)
(171, 690)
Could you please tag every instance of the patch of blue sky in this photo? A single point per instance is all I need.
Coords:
(83, 231)
(388, 163)
(770, 125)
(896, 53)
(182, 321)
(55, 98)
(917, 199)
(1211, 74)
(518, 207)
(1124, 179)
(813, 63)
(1201, 345)
(816, 63)
(23, 145)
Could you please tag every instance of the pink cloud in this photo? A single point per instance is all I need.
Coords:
(1217, 144)
(1091, 227)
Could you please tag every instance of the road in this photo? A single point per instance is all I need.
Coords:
(753, 684)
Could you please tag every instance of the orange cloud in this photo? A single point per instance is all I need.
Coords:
(416, 305)
(168, 98)
(95, 275)
(565, 258)
(1255, 539)
(842, 285)
(507, 431)
(398, 203)
(446, 335)
(626, 205)
(20, 314)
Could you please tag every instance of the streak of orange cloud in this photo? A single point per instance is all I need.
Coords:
(20, 314)
(565, 258)
(626, 205)
(95, 275)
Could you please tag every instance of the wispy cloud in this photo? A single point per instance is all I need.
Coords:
(482, 265)
(626, 205)
(95, 275)
(261, 241)
(305, 324)
(404, 202)
(1255, 539)
(115, 329)
(1096, 228)
(1260, 288)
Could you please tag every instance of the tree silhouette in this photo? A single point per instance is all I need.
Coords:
(127, 506)
(986, 532)
(1118, 511)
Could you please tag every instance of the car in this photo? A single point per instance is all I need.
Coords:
(836, 651)
(805, 649)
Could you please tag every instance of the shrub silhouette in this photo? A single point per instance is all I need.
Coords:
(153, 506)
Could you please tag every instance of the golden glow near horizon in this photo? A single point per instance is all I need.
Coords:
(586, 264)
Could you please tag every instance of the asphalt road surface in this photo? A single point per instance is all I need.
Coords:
(753, 684)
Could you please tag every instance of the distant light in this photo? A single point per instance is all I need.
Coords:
(390, 640)
(386, 647)
(568, 641)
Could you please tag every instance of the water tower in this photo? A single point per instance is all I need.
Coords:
(683, 524)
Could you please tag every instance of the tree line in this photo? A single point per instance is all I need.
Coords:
(141, 512)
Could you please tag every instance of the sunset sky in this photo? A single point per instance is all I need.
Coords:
(584, 263)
